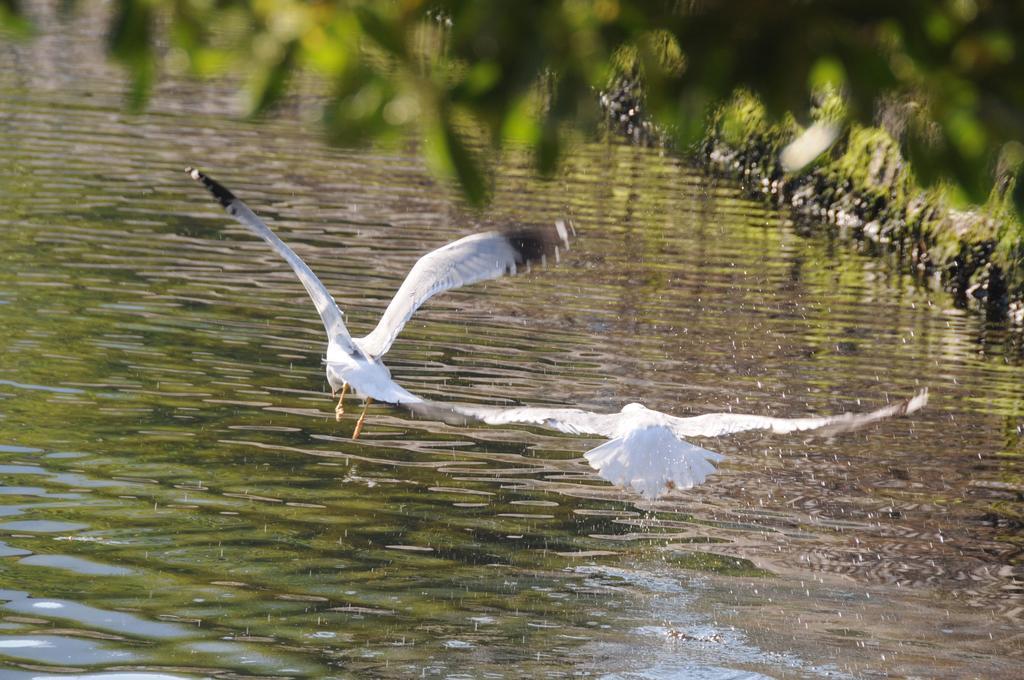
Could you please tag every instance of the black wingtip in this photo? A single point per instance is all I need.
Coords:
(538, 244)
(223, 196)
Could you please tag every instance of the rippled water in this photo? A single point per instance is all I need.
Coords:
(178, 500)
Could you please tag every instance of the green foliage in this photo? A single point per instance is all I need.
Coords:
(864, 183)
(11, 20)
(131, 42)
(451, 153)
(527, 71)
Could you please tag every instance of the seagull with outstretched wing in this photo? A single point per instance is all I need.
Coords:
(356, 362)
(647, 451)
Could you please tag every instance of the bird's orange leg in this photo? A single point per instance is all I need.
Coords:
(339, 410)
(362, 418)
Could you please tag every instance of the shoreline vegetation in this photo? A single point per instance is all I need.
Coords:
(862, 187)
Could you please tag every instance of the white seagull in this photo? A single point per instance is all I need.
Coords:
(356, 362)
(647, 452)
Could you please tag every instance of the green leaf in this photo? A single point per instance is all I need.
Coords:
(386, 33)
(827, 73)
(131, 42)
(481, 78)
(271, 79)
(12, 20)
(450, 151)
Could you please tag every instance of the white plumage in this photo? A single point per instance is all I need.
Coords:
(469, 260)
(357, 361)
(647, 452)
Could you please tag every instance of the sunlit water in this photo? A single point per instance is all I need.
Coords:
(178, 500)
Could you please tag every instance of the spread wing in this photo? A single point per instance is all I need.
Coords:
(334, 320)
(719, 424)
(648, 459)
(471, 259)
(568, 420)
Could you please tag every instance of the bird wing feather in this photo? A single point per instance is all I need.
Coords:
(719, 424)
(469, 260)
(568, 420)
(330, 313)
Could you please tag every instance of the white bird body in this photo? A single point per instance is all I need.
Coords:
(367, 375)
(651, 460)
(357, 362)
(647, 451)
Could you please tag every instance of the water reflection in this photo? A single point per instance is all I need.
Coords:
(11, 551)
(88, 617)
(76, 564)
(63, 650)
(43, 526)
(185, 408)
(106, 676)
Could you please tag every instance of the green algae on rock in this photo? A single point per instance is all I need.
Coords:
(864, 186)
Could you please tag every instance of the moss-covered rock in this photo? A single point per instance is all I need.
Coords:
(624, 112)
(863, 186)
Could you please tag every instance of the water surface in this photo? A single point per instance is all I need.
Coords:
(180, 502)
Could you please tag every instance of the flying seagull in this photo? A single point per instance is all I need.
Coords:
(356, 362)
(646, 451)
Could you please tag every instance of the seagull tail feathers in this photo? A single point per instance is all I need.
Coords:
(652, 461)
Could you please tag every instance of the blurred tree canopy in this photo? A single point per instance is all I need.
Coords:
(944, 75)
